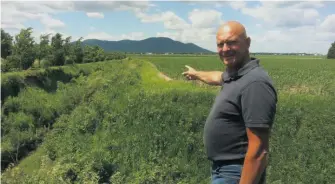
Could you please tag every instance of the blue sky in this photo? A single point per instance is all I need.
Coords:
(273, 26)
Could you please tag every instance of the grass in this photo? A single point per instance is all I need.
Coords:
(132, 126)
(291, 74)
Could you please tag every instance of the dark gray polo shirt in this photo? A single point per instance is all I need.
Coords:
(247, 99)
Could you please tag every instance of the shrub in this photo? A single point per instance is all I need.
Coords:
(69, 60)
(58, 58)
(13, 62)
(45, 63)
(36, 64)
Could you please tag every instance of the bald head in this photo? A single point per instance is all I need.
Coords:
(233, 28)
(233, 43)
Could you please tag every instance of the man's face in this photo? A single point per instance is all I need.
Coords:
(232, 48)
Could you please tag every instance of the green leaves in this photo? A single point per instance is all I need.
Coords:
(23, 53)
(6, 44)
(331, 51)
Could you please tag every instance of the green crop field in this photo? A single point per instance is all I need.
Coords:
(311, 75)
(120, 122)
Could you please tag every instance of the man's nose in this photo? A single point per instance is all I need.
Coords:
(225, 47)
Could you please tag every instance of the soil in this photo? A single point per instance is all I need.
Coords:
(160, 74)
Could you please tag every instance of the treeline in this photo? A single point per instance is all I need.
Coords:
(21, 52)
(284, 54)
(171, 53)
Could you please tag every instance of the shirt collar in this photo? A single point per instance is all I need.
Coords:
(254, 62)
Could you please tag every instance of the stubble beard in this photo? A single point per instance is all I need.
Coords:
(230, 64)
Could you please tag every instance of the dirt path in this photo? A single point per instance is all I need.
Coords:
(162, 75)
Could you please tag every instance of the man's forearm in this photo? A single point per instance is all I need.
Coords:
(210, 77)
(253, 168)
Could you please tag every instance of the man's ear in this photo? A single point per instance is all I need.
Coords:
(248, 40)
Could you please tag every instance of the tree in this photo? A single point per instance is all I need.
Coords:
(68, 51)
(23, 50)
(6, 44)
(331, 51)
(44, 47)
(57, 41)
(67, 46)
(78, 51)
(88, 54)
(99, 54)
(57, 50)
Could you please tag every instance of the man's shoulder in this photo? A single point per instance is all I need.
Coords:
(258, 75)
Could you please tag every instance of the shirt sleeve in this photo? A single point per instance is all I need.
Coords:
(258, 103)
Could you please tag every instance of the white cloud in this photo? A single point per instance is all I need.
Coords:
(287, 26)
(329, 23)
(238, 4)
(169, 19)
(172, 35)
(95, 15)
(133, 36)
(50, 22)
(99, 36)
(200, 28)
(301, 39)
(220, 4)
(293, 4)
(190, 35)
(207, 4)
(283, 14)
(11, 25)
(111, 5)
(15, 14)
(109, 37)
(205, 18)
(203, 37)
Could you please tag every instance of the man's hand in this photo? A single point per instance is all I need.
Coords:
(208, 77)
(191, 74)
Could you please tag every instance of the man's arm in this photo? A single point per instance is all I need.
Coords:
(258, 101)
(208, 77)
(256, 158)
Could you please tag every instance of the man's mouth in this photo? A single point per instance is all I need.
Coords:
(228, 55)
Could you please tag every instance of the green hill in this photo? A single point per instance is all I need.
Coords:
(153, 45)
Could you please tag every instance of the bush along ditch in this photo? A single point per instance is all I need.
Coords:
(32, 102)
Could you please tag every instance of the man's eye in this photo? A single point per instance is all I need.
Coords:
(231, 42)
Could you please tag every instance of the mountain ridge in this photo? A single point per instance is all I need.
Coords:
(148, 45)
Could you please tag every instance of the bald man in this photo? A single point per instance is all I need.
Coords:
(237, 129)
